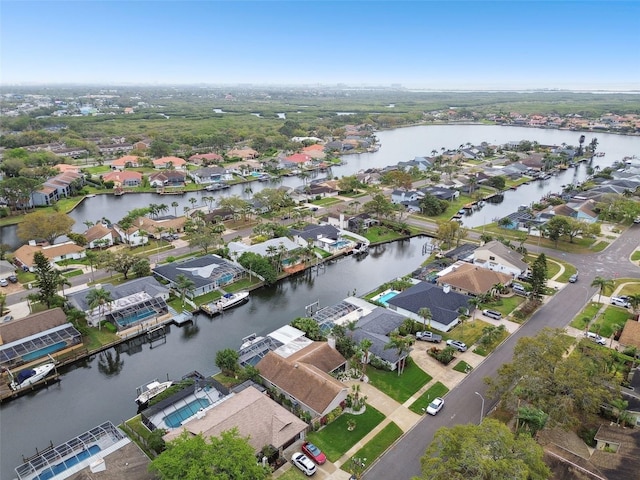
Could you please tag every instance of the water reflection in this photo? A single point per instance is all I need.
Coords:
(109, 363)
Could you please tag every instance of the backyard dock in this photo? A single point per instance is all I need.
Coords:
(7, 394)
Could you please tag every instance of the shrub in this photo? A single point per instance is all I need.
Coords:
(375, 362)
(444, 356)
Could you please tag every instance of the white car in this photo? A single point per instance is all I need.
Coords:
(435, 406)
(594, 337)
(620, 302)
(458, 345)
(304, 463)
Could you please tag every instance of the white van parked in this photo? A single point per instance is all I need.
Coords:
(620, 302)
(519, 289)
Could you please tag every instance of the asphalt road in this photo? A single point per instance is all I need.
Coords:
(462, 405)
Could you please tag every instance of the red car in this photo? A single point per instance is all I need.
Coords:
(314, 453)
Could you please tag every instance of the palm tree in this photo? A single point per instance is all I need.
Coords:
(99, 298)
(184, 284)
(401, 344)
(62, 282)
(365, 345)
(634, 301)
(425, 314)
(604, 285)
(175, 206)
(3, 301)
(476, 303)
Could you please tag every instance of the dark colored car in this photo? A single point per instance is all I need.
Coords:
(314, 453)
(12, 279)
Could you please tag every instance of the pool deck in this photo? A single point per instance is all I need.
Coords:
(211, 395)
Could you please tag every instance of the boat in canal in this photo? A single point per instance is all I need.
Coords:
(150, 390)
(228, 300)
(30, 376)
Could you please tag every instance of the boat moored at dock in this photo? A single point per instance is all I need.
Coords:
(150, 390)
(228, 300)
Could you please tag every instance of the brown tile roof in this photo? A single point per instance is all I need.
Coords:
(307, 383)
(630, 336)
(473, 279)
(31, 325)
(320, 355)
(26, 252)
(254, 414)
(96, 232)
(122, 161)
(122, 176)
(176, 161)
(47, 190)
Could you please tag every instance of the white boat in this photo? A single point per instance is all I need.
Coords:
(150, 390)
(30, 376)
(228, 300)
(250, 340)
(91, 195)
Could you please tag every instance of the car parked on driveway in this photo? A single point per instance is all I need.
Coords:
(492, 314)
(428, 337)
(3, 282)
(620, 302)
(435, 406)
(303, 462)
(12, 278)
(457, 344)
(314, 453)
(594, 337)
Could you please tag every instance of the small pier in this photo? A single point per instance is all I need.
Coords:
(6, 393)
(170, 191)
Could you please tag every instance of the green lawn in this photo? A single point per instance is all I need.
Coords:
(632, 288)
(635, 256)
(72, 273)
(378, 234)
(469, 333)
(207, 297)
(400, 388)
(604, 325)
(505, 305)
(326, 201)
(243, 284)
(334, 439)
(484, 351)
(585, 316)
(377, 445)
(293, 473)
(436, 390)
(463, 367)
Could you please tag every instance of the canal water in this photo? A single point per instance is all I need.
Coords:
(397, 145)
(103, 387)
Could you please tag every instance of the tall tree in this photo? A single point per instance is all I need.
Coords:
(402, 346)
(486, 451)
(45, 225)
(192, 457)
(99, 299)
(604, 285)
(183, 285)
(426, 315)
(46, 279)
(539, 276)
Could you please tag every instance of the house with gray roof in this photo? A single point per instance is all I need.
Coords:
(441, 193)
(206, 175)
(207, 273)
(321, 236)
(494, 255)
(442, 301)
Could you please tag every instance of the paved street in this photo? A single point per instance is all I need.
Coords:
(402, 461)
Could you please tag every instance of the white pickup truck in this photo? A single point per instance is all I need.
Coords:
(428, 337)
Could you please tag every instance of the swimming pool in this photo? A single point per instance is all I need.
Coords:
(386, 297)
(44, 351)
(175, 419)
(136, 317)
(340, 244)
(67, 464)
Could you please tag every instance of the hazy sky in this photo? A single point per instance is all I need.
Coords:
(422, 44)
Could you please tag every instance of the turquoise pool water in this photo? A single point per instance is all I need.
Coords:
(175, 419)
(387, 296)
(44, 351)
(136, 317)
(340, 244)
(67, 464)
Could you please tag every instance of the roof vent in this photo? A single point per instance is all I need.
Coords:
(446, 288)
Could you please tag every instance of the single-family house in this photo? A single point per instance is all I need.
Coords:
(361, 222)
(244, 153)
(442, 301)
(23, 256)
(321, 236)
(377, 326)
(256, 417)
(304, 377)
(494, 255)
(171, 178)
(133, 303)
(128, 161)
(316, 151)
(283, 245)
(470, 279)
(402, 196)
(207, 273)
(297, 160)
(100, 236)
(134, 235)
(441, 193)
(169, 162)
(205, 158)
(22, 339)
(141, 146)
(125, 178)
(207, 175)
(630, 336)
(421, 163)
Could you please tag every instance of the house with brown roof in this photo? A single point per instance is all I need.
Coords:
(630, 336)
(303, 377)
(205, 158)
(169, 162)
(100, 236)
(245, 153)
(128, 161)
(296, 160)
(494, 255)
(21, 339)
(126, 178)
(471, 279)
(23, 256)
(315, 151)
(255, 416)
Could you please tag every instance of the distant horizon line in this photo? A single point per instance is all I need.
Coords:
(341, 86)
